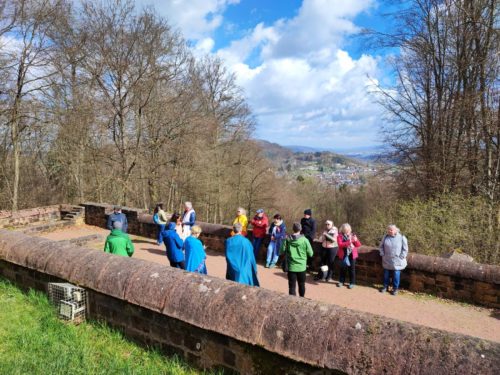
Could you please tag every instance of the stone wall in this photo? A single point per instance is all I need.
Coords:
(214, 323)
(30, 216)
(447, 278)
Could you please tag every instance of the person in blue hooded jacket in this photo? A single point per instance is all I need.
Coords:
(195, 253)
(241, 265)
(174, 245)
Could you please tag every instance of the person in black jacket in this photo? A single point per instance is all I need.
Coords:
(308, 230)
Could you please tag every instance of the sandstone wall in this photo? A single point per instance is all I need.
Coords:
(458, 280)
(215, 323)
(29, 216)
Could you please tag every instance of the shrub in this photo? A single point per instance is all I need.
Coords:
(447, 222)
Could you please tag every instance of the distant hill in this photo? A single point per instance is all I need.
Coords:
(367, 154)
(274, 151)
(278, 154)
(325, 167)
(303, 149)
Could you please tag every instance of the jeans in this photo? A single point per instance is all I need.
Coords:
(293, 279)
(328, 255)
(273, 252)
(256, 242)
(396, 275)
(159, 238)
(181, 265)
(352, 271)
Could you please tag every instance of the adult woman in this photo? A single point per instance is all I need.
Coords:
(174, 245)
(393, 250)
(188, 219)
(259, 223)
(277, 231)
(241, 218)
(160, 219)
(177, 220)
(329, 249)
(195, 253)
(348, 253)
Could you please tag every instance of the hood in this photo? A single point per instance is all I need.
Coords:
(171, 226)
(295, 237)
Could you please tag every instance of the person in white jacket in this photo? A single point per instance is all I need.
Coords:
(329, 249)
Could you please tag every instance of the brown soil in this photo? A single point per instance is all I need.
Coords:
(419, 309)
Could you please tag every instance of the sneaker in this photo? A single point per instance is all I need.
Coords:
(267, 265)
(351, 286)
(394, 292)
(339, 285)
(383, 290)
(272, 265)
(328, 280)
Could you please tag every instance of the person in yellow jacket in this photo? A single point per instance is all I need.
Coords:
(241, 218)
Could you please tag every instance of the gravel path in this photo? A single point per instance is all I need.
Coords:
(419, 309)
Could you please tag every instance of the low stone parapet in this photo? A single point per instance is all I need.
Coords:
(447, 278)
(215, 323)
(31, 216)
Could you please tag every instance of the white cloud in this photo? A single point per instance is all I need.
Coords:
(301, 82)
(203, 46)
(306, 88)
(196, 18)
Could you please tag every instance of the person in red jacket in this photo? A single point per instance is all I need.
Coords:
(260, 223)
(348, 252)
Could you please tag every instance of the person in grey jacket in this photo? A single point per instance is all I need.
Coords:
(393, 250)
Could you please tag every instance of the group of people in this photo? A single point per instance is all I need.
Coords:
(297, 253)
(185, 250)
(183, 222)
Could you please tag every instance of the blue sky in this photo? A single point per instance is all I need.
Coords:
(305, 75)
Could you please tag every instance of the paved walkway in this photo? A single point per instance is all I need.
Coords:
(419, 309)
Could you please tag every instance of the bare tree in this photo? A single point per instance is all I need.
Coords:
(29, 68)
(126, 55)
(445, 105)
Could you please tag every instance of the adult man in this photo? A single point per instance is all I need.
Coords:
(241, 265)
(297, 249)
(308, 230)
(117, 216)
(260, 223)
(393, 250)
(118, 242)
(173, 244)
(188, 219)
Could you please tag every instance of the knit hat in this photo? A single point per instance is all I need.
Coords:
(308, 212)
(260, 211)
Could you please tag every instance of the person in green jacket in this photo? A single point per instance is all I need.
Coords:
(118, 242)
(297, 249)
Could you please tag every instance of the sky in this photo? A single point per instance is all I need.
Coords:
(301, 66)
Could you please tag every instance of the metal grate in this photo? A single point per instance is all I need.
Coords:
(70, 301)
